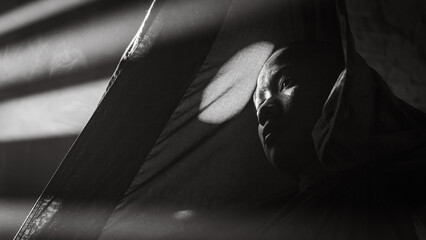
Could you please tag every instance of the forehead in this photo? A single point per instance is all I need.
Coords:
(268, 74)
(266, 81)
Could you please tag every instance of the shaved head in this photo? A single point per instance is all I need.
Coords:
(292, 87)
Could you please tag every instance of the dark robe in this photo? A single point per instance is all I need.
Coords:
(372, 150)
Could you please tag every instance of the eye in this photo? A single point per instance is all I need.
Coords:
(282, 84)
(286, 86)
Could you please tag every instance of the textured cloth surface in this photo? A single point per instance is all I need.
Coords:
(172, 151)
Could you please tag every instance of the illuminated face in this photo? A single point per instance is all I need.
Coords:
(289, 100)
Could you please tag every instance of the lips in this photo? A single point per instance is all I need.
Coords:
(267, 132)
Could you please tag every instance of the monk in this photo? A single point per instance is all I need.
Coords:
(357, 151)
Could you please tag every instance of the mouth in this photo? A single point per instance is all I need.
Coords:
(268, 140)
(267, 133)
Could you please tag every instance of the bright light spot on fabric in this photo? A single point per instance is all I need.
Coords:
(70, 49)
(141, 42)
(183, 214)
(36, 11)
(54, 113)
(13, 213)
(232, 88)
(50, 205)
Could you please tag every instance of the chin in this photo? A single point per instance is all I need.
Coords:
(291, 159)
(287, 162)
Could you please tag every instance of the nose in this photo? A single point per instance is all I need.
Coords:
(267, 110)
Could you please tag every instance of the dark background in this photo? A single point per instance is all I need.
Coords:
(56, 58)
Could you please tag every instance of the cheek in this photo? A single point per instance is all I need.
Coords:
(301, 111)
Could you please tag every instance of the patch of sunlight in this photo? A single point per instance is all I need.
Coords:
(183, 214)
(232, 88)
(71, 48)
(54, 113)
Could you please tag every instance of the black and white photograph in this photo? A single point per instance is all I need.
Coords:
(212, 120)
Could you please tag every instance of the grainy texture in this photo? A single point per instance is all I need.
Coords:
(391, 35)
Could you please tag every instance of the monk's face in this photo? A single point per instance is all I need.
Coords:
(289, 100)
